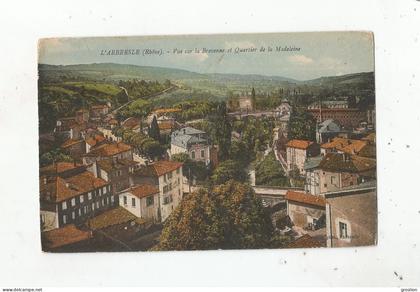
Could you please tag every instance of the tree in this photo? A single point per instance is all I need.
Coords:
(270, 173)
(55, 155)
(154, 131)
(221, 130)
(191, 169)
(229, 170)
(302, 125)
(253, 99)
(229, 216)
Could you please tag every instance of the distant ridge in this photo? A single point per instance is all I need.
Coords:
(127, 71)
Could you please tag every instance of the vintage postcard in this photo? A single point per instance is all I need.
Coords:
(201, 142)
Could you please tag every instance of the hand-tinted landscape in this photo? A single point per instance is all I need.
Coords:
(141, 157)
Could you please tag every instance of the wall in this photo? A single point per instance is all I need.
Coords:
(359, 211)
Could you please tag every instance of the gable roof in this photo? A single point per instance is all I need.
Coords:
(96, 139)
(111, 217)
(144, 190)
(109, 149)
(305, 241)
(63, 236)
(305, 198)
(109, 164)
(338, 162)
(57, 189)
(159, 168)
(299, 144)
(59, 167)
(329, 126)
(71, 142)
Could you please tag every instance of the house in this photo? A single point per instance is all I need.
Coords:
(167, 177)
(297, 151)
(74, 147)
(82, 116)
(191, 141)
(133, 124)
(142, 201)
(362, 147)
(284, 109)
(110, 150)
(337, 170)
(312, 173)
(118, 172)
(69, 194)
(305, 210)
(99, 111)
(327, 130)
(65, 238)
(347, 117)
(351, 216)
(93, 141)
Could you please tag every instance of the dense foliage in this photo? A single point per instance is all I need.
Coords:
(228, 170)
(302, 125)
(228, 216)
(270, 173)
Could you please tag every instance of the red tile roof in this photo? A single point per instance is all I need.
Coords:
(57, 189)
(59, 167)
(163, 166)
(71, 142)
(165, 125)
(305, 198)
(299, 144)
(63, 236)
(305, 241)
(144, 190)
(92, 141)
(110, 149)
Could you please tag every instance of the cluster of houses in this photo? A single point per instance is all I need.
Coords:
(337, 205)
(107, 190)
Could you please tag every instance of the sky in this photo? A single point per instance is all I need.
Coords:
(320, 53)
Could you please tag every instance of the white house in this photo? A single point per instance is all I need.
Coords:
(142, 201)
(167, 177)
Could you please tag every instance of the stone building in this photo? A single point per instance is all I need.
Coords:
(297, 151)
(351, 216)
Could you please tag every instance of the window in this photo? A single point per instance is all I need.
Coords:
(64, 205)
(170, 186)
(342, 230)
(125, 200)
(97, 204)
(103, 202)
(170, 175)
(149, 201)
(106, 201)
(73, 215)
(192, 154)
(104, 190)
(112, 199)
(90, 196)
(133, 202)
(99, 192)
(80, 212)
(202, 153)
(333, 180)
(64, 219)
(82, 198)
(165, 189)
(73, 201)
(166, 200)
(93, 206)
(84, 209)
